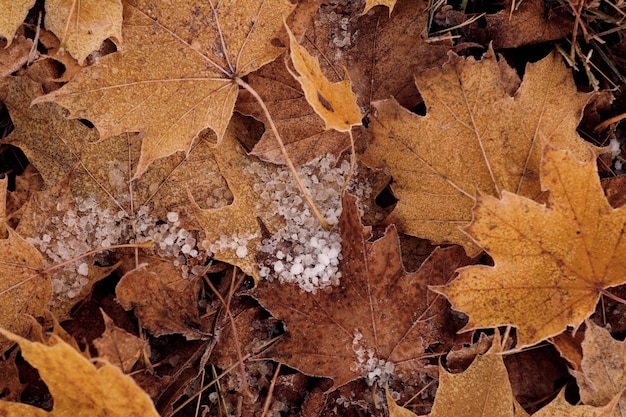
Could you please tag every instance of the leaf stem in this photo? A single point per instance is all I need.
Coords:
(281, 145)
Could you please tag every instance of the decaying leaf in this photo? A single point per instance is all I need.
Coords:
(161, 309)
(559, 407)
(77, 386)
(23, 291)
(550, 263)
(83, 25)
(482, 390)
(439, 161)
(118, 346)
(13, 14)
(302, 130)
(14, 56)
(334, 102)
(378, 320)
(603, 373)
(195, 51)
(395, 410)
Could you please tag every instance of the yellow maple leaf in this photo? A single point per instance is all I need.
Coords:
(550, 263)
(482, 390)
(440, 160)
(78, 388)
(334, 102)
(176, 73)
(13, 14)
(22, 291)
(83, 25)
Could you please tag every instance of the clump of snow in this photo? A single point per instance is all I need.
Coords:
(303, 252)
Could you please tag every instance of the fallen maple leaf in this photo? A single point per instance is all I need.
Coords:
(195, 55)
(440, 160)
(23, 291)
(301, 128)
(83, 26)
(118, 346)
(482, 390)
(378, 320)
(13, 57)
(334, 102)
(603, 369)
(14, 13)
(374, 48)
(77, 387)
(161, 309)
(559, 407)
(550, 263)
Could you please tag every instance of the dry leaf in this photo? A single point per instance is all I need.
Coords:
(334, 102)
(559, 407)
(440, 160)
(394, 409)
(118, 346)
(378, 319)
(550, 263)
(603, 373)
(188, 84)
(371, 3)
(83, 25)
(10, 385)
(374, 47)
(302, 130)
(77, 387)
(531, 22)
(162, 309)
(58, 146)
(482, 390)
(13, 57)
(14, 13)
(23, 291)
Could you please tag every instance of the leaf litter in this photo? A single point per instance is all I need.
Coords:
(164, 164)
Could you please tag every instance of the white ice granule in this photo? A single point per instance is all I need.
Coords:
(303, 252)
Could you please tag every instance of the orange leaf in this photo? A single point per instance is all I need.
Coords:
(440, 160)
(13, 14)
(83, 25)
(175, 75)
(77, 387)
(482, 390)
(551, 263)
(334, 102)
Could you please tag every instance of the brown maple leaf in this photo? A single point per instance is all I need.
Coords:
(440, 160)
(379, 316)
(550, 263)
(301, 129)
(14, 13)
(176, 74)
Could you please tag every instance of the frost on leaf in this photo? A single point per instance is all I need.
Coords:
(603, 373)
(550, 262)
(377, 322)
(482, 390)
(174, 76)
(439, 161)
(77, 386)
(12, 16)
(83, 26)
